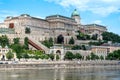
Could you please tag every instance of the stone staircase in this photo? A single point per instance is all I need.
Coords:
(37, 45)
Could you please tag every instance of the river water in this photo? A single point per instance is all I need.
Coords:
(61, 74)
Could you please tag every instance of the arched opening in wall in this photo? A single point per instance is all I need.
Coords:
(60, 39)
(58, 52)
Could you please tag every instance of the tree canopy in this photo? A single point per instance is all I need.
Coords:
(71, 41)
(94, 37)
(16, 40)
(109, 36)
(78, 56)
(9, 55)
(114, 55)
(26, 46)
(69, 56)
(4, 41)
(48, 43)
(82, 36)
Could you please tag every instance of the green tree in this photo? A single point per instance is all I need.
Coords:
(101, 57)
(9, 55)
(48, 43)
(16, 40)
(57, 57)
(26, 46)
(94, 37)
(76, 47)
(82, 36)
(93, 56)
(110, 56)
(97, 57)
(51, 40)
(51, 56)
(109, 36)
(83, 47)
(114, 55)
(69, 56)
(78, 56)
(18, 50)
(36, 57)
(25, 55)
(87, 37)
(71, 41)
(37, 54)
(44, 56)
(4, 41)
(88, 57)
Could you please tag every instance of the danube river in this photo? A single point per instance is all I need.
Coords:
(61, 74)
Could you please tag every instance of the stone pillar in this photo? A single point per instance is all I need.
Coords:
(54, 51)
(62, 53)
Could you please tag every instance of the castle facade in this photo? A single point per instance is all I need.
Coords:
(51, 26)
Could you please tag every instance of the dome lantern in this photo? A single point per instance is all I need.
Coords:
(75, 13)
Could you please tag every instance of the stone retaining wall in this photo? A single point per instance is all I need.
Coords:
(53, 65)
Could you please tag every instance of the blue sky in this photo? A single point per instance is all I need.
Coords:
(104, 12)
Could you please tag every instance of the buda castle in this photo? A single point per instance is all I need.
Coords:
(51, 26)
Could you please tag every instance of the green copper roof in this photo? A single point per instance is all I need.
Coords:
(75, 13)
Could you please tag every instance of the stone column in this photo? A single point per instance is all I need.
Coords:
(54, 51)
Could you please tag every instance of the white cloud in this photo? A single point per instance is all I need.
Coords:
(101, 7)
(97, 22)
(5, 13)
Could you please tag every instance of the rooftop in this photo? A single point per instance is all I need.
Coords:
(24, 16)
(59, 16)
(95, 25)
(114, 44)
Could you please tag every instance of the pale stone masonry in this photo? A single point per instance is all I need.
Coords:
(104, 50)
(51, 26)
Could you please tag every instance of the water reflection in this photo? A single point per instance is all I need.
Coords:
(61, 74)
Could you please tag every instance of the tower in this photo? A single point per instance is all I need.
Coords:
(75, 15)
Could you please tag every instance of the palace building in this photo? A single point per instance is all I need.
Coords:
(51, 26)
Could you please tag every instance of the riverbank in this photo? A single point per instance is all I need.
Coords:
(60, 64)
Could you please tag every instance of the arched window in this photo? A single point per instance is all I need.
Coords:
(60, 39)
